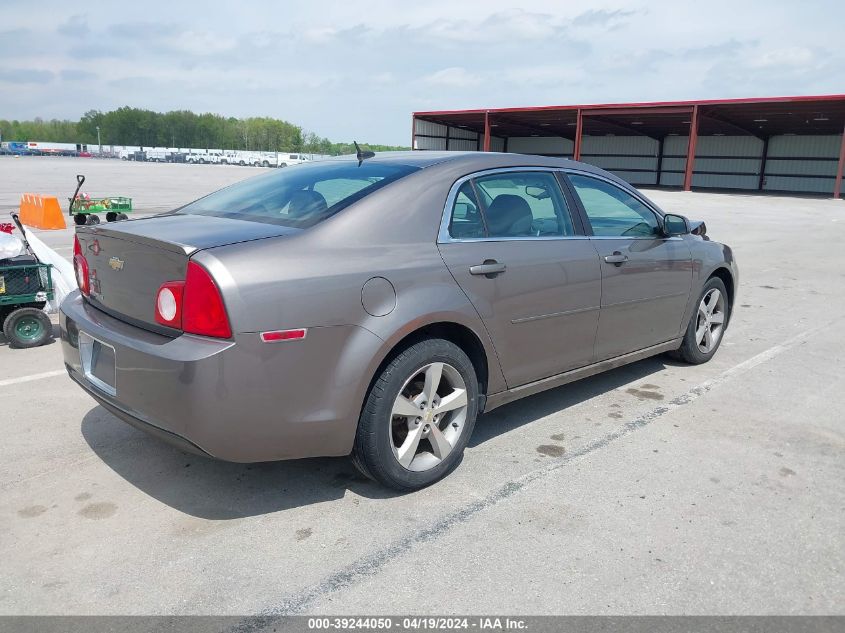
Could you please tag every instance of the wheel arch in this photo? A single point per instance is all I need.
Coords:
(458, 333)
(727, 278)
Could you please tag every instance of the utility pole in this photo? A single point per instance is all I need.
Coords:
(98, 140)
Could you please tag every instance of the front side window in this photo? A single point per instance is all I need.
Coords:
(299, 197)
(511, 204)
(612, 211)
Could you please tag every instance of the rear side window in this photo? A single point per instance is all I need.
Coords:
(612, 211)
(299, 196)
(510, 204)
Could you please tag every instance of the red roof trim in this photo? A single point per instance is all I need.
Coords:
(648, 104)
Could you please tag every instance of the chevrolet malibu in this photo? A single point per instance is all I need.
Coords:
(375, 306)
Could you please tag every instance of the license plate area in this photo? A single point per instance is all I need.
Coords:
(98, 363)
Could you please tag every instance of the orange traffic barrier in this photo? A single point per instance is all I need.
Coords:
(41, 212)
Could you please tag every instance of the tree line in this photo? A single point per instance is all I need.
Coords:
(179, 128)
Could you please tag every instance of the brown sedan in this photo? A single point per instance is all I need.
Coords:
(376, 306)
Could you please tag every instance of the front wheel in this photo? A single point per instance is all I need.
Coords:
(418, 416)
(27, 327)
(707, 326)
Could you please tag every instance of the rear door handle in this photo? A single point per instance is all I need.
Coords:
(617, 258)
(490, 268)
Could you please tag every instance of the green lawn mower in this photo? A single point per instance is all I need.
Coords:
(26, 285)
(85, 209)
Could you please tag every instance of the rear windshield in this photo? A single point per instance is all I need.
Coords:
(299, 196)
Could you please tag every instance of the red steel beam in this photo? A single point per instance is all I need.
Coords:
(637, 111)
(837, 184)
(693, 141)
(486, 131)
(579, 129)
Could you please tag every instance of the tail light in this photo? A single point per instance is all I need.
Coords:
(80, 267)
(194, 305)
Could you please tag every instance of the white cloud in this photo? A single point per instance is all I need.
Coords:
(361, 68)
(455, 77)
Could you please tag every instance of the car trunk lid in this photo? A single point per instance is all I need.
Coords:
(128, 261)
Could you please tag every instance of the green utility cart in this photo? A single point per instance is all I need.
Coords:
(26, 285)
(85, 209)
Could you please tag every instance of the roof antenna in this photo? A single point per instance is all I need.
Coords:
(362, 155)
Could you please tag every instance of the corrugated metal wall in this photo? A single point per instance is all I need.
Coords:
(802, 163)
(633, 158)
(547, 145)
(436, 136)
(727, 162)
(674, 161)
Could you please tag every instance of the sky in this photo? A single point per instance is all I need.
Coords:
(358, 69)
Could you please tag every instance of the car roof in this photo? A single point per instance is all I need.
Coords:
(474, 160)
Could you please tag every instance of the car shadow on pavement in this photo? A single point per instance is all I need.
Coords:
(516, 414)
(216, 490)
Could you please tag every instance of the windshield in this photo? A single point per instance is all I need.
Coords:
(299, 196)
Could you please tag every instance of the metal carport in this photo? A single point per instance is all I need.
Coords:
(789, 144)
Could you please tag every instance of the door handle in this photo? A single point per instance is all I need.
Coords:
(490, 268)
(617, 258)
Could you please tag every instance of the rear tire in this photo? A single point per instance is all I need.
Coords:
(111, 216)
(27, 327)
(122, 216)
(92, 219)
(707, 325)
(405, 451)
(79, 219)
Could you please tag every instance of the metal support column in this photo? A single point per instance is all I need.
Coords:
(486, 131)
(413, 132)
(763, 160)
(693, 141)
(659, 159)
(837, 184)
(579, 129)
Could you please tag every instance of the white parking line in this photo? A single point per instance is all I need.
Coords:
(31, 377)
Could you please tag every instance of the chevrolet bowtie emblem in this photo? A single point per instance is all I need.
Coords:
(116, 263)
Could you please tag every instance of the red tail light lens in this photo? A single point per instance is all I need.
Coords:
(203, 310)
(80, 267)
(169, 304)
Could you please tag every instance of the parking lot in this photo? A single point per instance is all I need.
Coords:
(656, 488)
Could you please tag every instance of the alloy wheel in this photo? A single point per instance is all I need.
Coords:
(711, 320)
(428, 416)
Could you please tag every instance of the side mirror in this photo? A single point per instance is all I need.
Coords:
(675, 225)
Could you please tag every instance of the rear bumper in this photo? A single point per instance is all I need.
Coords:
(237, 400)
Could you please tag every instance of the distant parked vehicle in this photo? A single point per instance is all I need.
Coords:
(285, 160)
(246, 158)
(157, 156)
